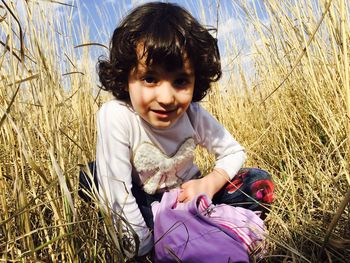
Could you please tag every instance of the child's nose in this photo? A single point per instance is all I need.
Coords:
(165, 93)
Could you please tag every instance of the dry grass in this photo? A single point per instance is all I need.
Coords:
(299, 131)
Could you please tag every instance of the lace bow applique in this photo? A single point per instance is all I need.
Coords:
(156, 169)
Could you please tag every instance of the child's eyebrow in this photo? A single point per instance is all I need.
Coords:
(185, 74)
(150, 71)
(153, 71)
(145, 70)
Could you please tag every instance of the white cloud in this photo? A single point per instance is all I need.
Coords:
(229, 26)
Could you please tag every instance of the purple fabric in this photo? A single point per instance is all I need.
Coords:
(198, 231)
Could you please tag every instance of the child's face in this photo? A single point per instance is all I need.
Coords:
(158, 96)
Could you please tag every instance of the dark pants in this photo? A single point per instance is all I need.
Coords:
(251, 188)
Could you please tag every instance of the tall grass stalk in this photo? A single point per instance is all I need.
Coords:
(299, 131)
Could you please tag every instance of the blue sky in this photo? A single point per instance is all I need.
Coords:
(98, 19)
(95, 20)
(102, 17)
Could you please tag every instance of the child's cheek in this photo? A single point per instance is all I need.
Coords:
(147, 96)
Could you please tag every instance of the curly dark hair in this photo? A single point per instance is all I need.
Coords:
(167, 32)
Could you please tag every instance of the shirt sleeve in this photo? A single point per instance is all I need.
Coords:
(229, 154)
(114, 170)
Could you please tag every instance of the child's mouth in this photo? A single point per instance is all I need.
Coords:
(163, 113)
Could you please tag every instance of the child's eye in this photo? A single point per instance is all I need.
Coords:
(181, 82)
(149, 80)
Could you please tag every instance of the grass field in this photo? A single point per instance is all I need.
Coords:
(292, 114)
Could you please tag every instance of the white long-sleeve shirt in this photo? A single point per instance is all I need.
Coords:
(130, 150)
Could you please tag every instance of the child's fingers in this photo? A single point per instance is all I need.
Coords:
(184, 195)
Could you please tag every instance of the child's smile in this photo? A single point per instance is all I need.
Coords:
(158, 96)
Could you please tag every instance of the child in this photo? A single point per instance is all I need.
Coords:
(161, 63)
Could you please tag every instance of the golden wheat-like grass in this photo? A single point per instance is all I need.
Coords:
(292, 115)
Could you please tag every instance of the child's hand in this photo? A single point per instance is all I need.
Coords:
(192, 188)
(209, 185)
